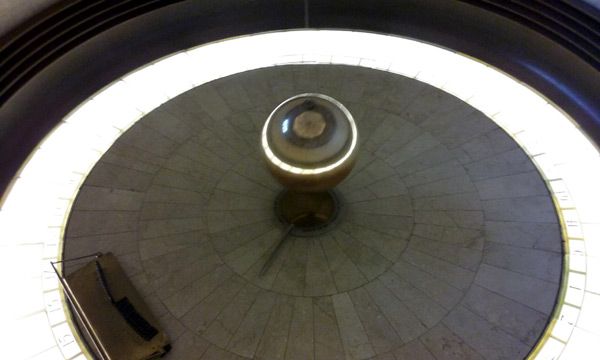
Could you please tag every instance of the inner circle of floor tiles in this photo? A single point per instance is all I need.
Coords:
(448, 248)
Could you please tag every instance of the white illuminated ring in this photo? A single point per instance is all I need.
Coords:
(309, 171)
(35, 208)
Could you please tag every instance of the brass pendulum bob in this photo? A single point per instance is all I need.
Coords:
(309, 143)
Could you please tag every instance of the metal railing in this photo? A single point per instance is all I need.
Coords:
(77, 310)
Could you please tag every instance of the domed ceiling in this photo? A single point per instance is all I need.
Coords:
(447, 245)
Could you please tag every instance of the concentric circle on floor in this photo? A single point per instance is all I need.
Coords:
(449, 245)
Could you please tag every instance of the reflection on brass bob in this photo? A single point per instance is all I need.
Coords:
(310, 142)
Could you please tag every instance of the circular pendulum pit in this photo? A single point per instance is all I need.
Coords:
(309, 143)
(309, 213)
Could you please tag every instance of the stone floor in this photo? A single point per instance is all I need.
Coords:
(448, 245)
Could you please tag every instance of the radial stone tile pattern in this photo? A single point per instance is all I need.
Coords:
(447, 245)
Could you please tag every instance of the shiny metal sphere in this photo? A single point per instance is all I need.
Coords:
(310, 142)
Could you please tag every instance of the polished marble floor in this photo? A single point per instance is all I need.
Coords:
(448, 245)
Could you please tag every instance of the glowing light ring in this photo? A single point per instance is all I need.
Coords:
(34, 210)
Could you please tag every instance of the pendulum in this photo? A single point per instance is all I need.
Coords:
(310, 144)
